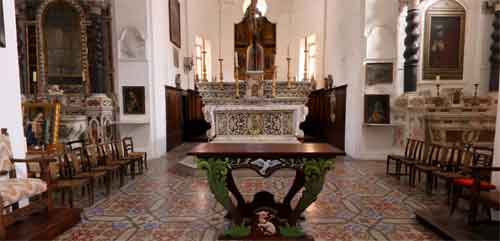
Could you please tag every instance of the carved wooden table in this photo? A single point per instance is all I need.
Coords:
(310, 162)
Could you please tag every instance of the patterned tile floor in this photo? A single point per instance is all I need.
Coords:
(358, 203)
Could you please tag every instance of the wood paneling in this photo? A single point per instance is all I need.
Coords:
(195, 126)
(318, 126)
(174, 117)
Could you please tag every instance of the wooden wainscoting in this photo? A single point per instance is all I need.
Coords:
(185, 120)
(318, 126)
(174, 109)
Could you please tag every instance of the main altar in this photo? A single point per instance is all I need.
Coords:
(269, 118)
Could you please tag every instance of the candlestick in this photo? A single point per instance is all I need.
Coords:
(204, 63)
(236, 63)
(274, 80)
(437, 89)
(237, 80)
(288, 77)
(221, 75)
(306, 57)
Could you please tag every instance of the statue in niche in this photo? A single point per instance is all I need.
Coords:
(132, 44)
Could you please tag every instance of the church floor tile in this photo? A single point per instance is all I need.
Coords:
(358, 203)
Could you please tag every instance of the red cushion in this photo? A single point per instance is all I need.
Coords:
(468, 182)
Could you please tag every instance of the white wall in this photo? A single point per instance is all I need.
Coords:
(10, 91)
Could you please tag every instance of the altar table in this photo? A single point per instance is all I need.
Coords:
(311, 162)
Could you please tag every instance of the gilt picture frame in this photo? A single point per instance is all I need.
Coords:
(134, 100)
(444, 44)
(2, 27)
(175, 22)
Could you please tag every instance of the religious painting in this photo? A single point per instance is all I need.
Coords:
(175, 22)
(2, 27)
(133, 100)
(41, 124)
(377, 109)
(379, 73)
(444, 42)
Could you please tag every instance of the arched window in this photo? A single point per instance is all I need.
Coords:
(261, 6)
(444, 40)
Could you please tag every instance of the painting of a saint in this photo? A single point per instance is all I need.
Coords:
(444, 41)
(175, 22)
(134, 100)
(377, 109)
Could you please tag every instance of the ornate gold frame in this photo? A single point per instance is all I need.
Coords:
(42, 49)
(47, 107)
(430, 73)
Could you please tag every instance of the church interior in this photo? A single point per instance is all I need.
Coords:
(204, 120)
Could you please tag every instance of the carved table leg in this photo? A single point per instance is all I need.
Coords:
(217, 173)
(315, 171)
(231, 185)
(298, 183)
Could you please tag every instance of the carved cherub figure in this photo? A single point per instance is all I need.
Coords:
(264, 223)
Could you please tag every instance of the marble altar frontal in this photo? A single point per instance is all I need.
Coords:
(263, 119)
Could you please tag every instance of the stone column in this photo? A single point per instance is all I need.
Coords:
(412, 47)
(495, 50)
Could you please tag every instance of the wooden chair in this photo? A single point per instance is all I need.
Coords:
(65, 182)
(109, 158)
(98, 164)
(13, 190)
(480, 195)
(398, 158)
(128, 145)
(77, 169)
(134, 161)
(451, 166)
(428, 165)
(416, 156)
(477, 179)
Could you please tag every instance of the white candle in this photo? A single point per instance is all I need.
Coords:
(438, 78)
(34, 76)
(236, 59)
(288, 51)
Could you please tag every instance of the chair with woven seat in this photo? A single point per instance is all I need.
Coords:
(134, 161)
(398, 158)
(128, 145)
(97, 164)
(477, 178)
(77, 169)
(427, 166)
(416, 156)
(14, 190)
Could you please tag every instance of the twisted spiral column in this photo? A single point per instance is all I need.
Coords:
(412, 50)
(98, 66)
(495, 51)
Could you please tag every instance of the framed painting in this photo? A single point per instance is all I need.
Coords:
(2, 27)
(174, 9)
(134, 100)
(41, 124)
(377, 109)
(379, 73)
(444, 43)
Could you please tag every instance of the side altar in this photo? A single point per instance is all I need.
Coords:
(266, 111)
